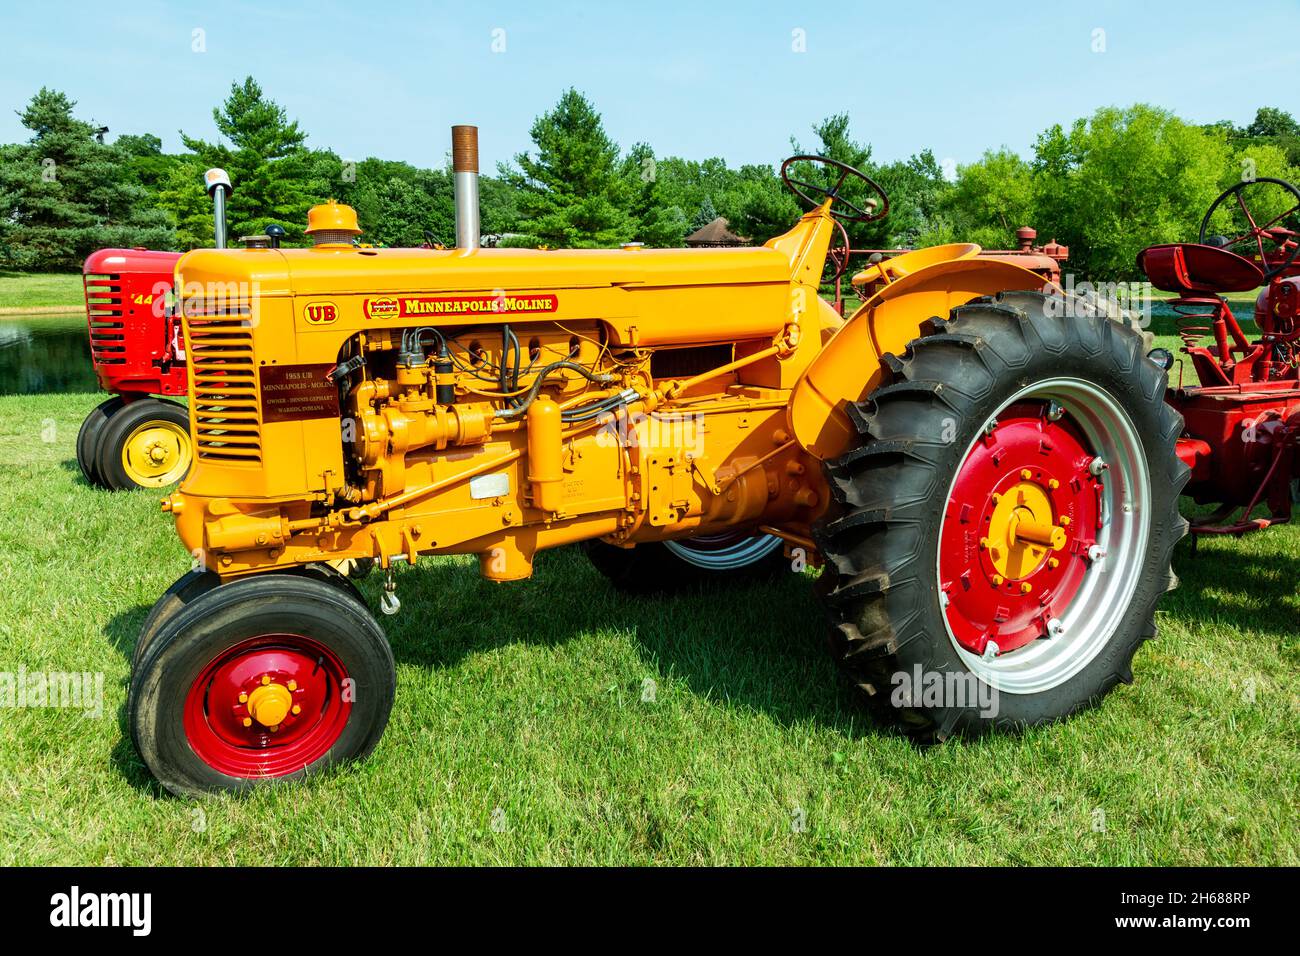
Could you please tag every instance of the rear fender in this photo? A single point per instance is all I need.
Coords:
(849, 368)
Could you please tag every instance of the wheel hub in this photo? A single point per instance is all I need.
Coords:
(156, 454)
(1023, 512)
(267, 707)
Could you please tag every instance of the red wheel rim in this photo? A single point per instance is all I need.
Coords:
(1029, 472)
(268, 707)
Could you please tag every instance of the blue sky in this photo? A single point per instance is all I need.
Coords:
(692, 79)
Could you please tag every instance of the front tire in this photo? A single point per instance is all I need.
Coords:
(88, 439)
(983, 568)
(268, 678)
(146, 444)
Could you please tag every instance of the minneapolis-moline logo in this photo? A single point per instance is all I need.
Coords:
(421, 306)
(320, 313)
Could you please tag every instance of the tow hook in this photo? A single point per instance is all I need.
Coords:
(388, 601)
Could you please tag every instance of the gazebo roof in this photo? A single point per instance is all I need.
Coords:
(715, 233)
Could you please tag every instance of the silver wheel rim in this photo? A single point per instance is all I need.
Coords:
(1104, 596)
(724, 552)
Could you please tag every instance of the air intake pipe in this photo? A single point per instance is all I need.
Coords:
(464, 165)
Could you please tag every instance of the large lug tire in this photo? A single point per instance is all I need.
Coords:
(88, 439)
(665, 567)
(979, 574)
(269, 678)
(199, 581)
(146, 444)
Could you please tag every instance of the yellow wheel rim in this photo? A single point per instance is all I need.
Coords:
(156, 454)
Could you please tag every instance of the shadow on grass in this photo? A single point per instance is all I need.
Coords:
(1226, 577)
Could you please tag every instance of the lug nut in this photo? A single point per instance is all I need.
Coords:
(1026, 474)
(1026, 587)
(1096, 466)
(1054, 411)
(991, 650)
(997, 580)
(1055, 628)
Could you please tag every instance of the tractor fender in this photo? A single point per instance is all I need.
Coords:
(848, 368)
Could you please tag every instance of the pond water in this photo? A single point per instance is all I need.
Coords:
(51, 353)
(45, 353)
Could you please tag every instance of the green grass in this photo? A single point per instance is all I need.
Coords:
(28, 290)
(528, 698)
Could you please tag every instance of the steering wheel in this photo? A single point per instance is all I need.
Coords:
(1278, 236)
(851, 211)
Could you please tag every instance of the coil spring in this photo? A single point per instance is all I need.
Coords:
(1189, 311)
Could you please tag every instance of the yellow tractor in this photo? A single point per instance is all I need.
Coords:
(984, 467)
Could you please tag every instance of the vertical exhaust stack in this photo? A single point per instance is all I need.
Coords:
(217, 182)
(464, 165)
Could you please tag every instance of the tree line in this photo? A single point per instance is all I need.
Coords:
(1106, 185)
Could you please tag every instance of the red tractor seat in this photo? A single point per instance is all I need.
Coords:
(1187, 268)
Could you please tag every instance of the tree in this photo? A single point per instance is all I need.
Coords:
(574, 192)
(1271, 121)
(63, 194)
(705, 214)
(1122, 180)
(992, 198)
(275, 178)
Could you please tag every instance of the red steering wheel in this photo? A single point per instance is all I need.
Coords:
(1276, 241)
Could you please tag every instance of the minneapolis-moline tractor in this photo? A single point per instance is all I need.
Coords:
(986, 468)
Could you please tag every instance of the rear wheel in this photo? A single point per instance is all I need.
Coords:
(1000, 539)
(88, 438)
(146, 444)
(658, 567)
(269, 678)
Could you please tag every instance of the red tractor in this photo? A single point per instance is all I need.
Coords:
(134, 439)
(1241, 434)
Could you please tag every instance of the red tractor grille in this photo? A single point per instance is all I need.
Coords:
(223, 383)
(104, 314)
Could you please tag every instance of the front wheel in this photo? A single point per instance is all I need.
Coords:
(88, 438)
(1002, 535)
(263, 679)
(146, 444)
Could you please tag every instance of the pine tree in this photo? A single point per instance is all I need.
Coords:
(275, 180)
(573, 193)
(63, 194)
(704, 215)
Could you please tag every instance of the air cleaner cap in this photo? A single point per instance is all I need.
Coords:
(332, 216)
(217, 178)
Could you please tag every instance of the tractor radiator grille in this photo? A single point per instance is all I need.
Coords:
(223, 383)
(104, 315)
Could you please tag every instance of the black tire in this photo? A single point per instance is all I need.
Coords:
(199, 581)
(184, 589)
(131, 416)
(219, 620)
(88, 437)
(881, 537)
(657, 568)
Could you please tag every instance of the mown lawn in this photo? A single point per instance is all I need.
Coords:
(23, 290)
(520, 732)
